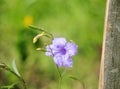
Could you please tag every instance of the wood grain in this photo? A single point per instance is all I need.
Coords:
(110, 62)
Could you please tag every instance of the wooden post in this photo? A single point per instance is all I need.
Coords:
(110, 62)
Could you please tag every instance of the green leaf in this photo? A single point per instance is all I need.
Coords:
(15, 68)
(36, 28)
(73, 77)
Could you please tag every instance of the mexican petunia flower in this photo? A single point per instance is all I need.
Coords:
(62, 52)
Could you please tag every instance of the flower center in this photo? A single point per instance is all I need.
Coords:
(63, 51)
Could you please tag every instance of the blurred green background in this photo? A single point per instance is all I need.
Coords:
(79, 20)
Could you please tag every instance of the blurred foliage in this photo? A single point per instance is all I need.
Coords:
(78, 20)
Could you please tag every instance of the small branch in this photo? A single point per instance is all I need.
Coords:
(4, 66)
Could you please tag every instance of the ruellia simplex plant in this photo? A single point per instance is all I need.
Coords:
(61, 50)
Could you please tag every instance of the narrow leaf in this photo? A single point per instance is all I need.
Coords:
(15, 68)
(36, 28)
(73, 77)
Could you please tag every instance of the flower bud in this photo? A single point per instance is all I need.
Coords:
(35, 39)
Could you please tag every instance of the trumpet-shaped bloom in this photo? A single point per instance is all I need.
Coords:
(62, 52)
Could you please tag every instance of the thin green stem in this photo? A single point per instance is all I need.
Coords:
(58, 71)
(8, 86)
(4, 66)
(40, 29)
(59, 86)
(60, 76)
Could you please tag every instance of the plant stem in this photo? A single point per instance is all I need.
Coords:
(59, 86)
(4, 66)
(60, 75)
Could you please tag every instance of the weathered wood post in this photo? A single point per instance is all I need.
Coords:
(110, 63)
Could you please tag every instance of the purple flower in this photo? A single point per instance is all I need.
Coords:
(62, 51)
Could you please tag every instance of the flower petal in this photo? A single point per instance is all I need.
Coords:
(58, 60)
(67, 61)
(63, 60)
(59, 41)
(49, 51)
(71, 48)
